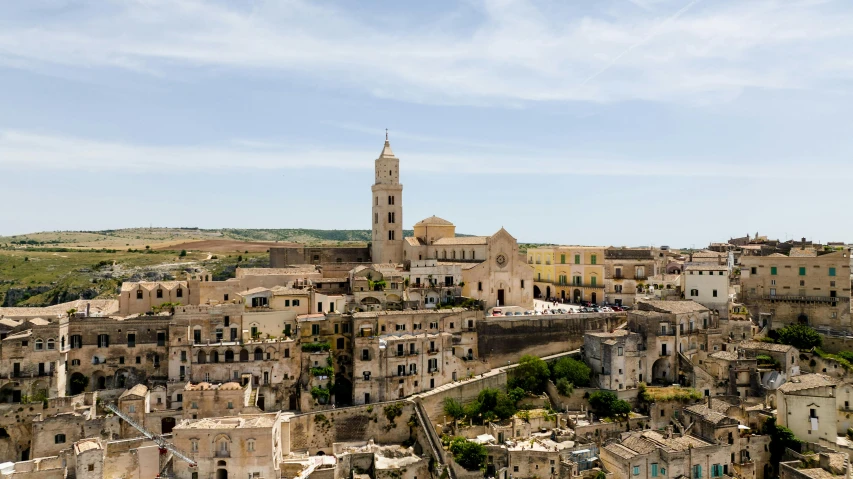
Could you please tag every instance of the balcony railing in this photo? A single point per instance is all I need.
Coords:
(665, 353)
(805, 299)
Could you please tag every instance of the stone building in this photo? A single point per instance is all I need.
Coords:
(141, 297)
(397, 354)
(227, 447)
(573, 273)
(794, 289)
(387, 218)
(492, 270)
(616, 359)
(708, 285)
(806, 405)
(671, 328)
(650, 454)
(628, 272)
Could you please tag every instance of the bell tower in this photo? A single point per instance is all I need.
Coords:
(387, 201)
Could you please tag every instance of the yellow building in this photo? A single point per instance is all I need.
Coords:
(573, 273)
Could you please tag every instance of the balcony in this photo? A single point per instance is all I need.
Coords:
(664, 354)
(641, 277)
(432, 351)
(805, 299)
(221, 453)
(618, 276)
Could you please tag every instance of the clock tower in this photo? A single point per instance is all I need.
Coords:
(387, 201)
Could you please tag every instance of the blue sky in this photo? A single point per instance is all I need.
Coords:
(602, 122)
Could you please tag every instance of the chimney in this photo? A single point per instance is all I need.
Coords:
(803, 244)
(669, 432)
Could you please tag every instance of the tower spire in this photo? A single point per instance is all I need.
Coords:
(386, 135)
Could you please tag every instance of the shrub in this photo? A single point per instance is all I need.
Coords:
(576, 372)
(564, 387)
(800, 336)
(453, 408)
(606, 404)
(468, 454)
(183, 253)
(392, 411)
(316, 347)
(531, 374)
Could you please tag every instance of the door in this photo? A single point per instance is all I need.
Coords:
(663, 349)
(16, 369)
(594, 300)
(501, 297)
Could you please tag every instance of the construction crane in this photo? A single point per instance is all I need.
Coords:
(167, 449)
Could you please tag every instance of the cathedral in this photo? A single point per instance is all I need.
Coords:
(492, 269)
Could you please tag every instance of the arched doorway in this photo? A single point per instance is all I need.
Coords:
(78, 383)
(166, 425)
(594, 298)
(662, 372)
(537, 293)
(221, 472)
(547, 292)
(261, 402)
(244, 356)
(563, 294)
(342, 390)
(577, 296)
(202, 358)
(803, 318)
(102, 382)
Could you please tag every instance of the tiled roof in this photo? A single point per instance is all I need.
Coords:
(414, 241)
(462, 240)
(275, 271)
(138, 390)
(806, 381)
(152, 285)
(103, 307)
(762, 346)
(675, 306)
(725, 355)
(433, 221)
(706, 413)
(802, 253)
(284, 290)
(254, 291)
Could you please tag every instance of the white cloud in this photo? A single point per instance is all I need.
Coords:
(500, 53)
(37, 151)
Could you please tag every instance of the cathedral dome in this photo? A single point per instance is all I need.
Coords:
(433, 221)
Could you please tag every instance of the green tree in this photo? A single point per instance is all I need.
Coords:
(183, 253)
(453, 408)
(565, 387)
(531, 374)
(468, 454)
(800, 336)
(576, 372)
(781, 438)
(606, 404)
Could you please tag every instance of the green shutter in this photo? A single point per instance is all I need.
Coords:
(773, 270)
(802, 270)
(562, 259)
(577, 259)
(832, 271)
(654, 470)
(592, 259)
(593, 278)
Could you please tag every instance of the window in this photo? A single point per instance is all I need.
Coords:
(159, 293)
(753, 270)
(315, 329)
(714, 293)
(592, 259)
(376, 218)
(39, 344)
(131, 340)
(230, 405)
(619, 351)
(76, 341)
(522, 284)
(75, 362)
(194, 405)
(131, 409)
(91, 467)
(59, 439)
(138, 294)
(694, 292)
(194, 446)
(296, 302)
(562, 259)
(654, 469)
(139, 360)
(391, 235)
(50, 345)
(179, 293)
(103, 340)
(250, 446)
(832, 271)
(697, 471)
(773, 270)
(479, 285)
(636, 470)
(577, 259)
(802, 270)
(390, 200)
(391, 217)
(226, 297)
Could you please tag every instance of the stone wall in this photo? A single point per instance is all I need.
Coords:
(505, 340)
(282, 257)
(463, 391)
(317, 431)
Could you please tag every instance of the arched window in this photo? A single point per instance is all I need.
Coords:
(229, 356)
(214, 357)
(453, 253)
(473, 256)
(202, 358)
(39, 344)
(250, 445)
(51, 344)
(259, 354)
(244, 355)
(444, 254)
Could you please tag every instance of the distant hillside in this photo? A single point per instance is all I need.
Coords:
(300, 235)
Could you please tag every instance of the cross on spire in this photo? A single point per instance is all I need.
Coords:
(386, 134)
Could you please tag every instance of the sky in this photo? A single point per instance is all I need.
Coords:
(626, 122)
